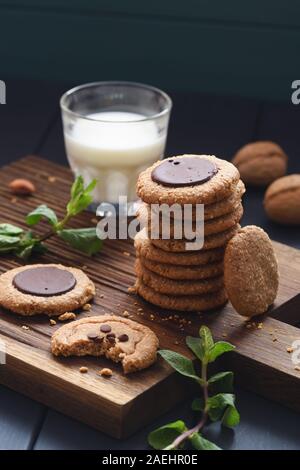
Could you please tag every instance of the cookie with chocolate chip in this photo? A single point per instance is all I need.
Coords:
(188, 179)
(117, 338)
(50, 289)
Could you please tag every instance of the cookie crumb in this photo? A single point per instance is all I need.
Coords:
(126, 253)
(132, 290)
(224, 335)
(176, 342)
(260, 326)
(52, 322)
(94, 221)
(83, 370)
(68, 316)
(51, 179)
(289, 350)
(25, 327)
(125, 314)
(105, 372)
(101, 296)
(87, 307)
(297, 368)
(274, 340)
(14, 200)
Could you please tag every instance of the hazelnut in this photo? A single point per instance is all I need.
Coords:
(282, 200)
(22, 187)
(260, 163)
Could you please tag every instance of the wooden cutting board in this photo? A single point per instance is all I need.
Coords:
(120, 405)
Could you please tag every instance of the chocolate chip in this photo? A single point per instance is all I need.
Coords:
(123, 338)
(93, 336)
(110, 335)
(105, 328)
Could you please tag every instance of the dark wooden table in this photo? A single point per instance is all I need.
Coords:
(30, 123)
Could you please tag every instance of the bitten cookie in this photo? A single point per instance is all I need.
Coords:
(51, 289)
(251, 271)
(211, 241)
(260, 163)
(146, 249)
(119, 339)
(167, 286)
(181, 273)
(186, 303)
(188, 179)
(282, 200)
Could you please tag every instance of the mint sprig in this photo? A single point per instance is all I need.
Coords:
(23, 243)
(217, 402)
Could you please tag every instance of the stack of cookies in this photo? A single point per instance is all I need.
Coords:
(170, 273)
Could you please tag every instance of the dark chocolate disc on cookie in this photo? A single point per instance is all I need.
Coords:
(44, 281)
(185, 171)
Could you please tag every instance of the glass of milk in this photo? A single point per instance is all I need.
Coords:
(112, 131)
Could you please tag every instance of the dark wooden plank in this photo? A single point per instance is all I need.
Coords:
(221, 57)
(281, 123)
(264, 425)
(26, 117)
(20, 419)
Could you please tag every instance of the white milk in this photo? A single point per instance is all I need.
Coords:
(113, 148)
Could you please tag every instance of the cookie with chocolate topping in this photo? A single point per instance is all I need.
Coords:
(188, 179)
(51, 289)
(117, 338)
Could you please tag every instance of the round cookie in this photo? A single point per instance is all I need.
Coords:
(251, 271)
(167, 286)
(183, 303)
(212, 226)
(119, 339)
(146, 249)
(260, 163)
(222, 207)
(221, 185)
(36, 300)
(188, 273)
(211, 241)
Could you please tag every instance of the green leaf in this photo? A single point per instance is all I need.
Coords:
(40, 212)
(195, 344)
(207, 339)
(198, 404)
(231, 417)
(9, 229)
(218, 349)
(217, 405)
(164, 436)
(80, 196)
(8, 243)
(221, 382)
(180, 363)
(199, 443)
(83, 239)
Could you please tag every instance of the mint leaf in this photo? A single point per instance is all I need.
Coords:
(180, 363)
(40, 212)
(8, 243)
(199, 443)
(164, 436)
(218, 349)
(195, 344)
(198, 404)
(231, 417)
(80, 196)
(83, 239)
(9, 229)
(217, 405)
(221, 382)
(206, 337)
